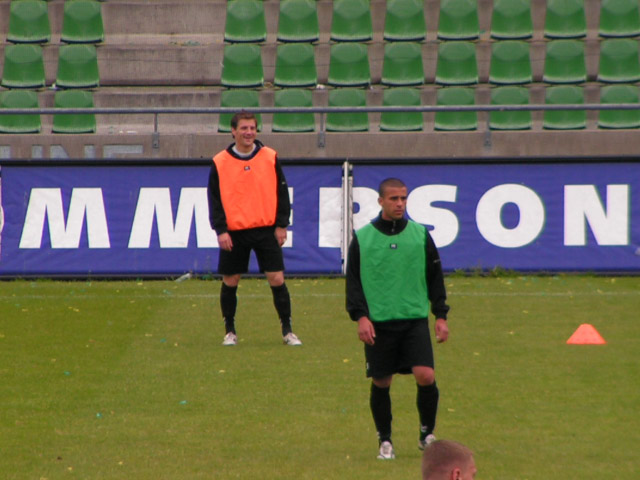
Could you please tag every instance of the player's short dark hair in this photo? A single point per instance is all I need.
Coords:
(390, 182)
(242, 116)
(441, 456)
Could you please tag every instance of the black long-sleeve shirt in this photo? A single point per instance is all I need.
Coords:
(217, 216)
(356, 301)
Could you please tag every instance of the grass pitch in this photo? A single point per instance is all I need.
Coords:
(128, 380)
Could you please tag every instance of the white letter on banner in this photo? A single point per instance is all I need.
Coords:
(156, 203)
(445, 222)
(582, 204)
(367, 200)
(47, 202)
(330, 215)
(532, 216)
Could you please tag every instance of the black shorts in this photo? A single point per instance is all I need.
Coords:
(262, 241)
(399, 346)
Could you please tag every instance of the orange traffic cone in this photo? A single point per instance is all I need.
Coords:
(586, 334)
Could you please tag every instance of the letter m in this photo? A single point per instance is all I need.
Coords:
(47, 203)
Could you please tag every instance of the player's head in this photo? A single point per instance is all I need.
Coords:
(448, 460)
(392, 198)
(244, 129)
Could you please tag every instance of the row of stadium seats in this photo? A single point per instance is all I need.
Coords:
(448, 96)
(456, 64)
(404, 20)
(81, 22)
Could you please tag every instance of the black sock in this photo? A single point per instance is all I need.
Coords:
(380, 403)
(282, 302)
(427, 401)
(228, 303)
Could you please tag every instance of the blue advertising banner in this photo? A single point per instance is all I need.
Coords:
(153, 220)
(138, 220)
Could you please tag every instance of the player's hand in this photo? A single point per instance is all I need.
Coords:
(281, 235)
(442, 330)
(224, 241)
(366, 332)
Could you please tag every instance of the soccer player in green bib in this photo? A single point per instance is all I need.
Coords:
(394, 277)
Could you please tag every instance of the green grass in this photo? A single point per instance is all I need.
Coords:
(127, 380)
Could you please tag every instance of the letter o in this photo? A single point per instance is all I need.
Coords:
(532, 216)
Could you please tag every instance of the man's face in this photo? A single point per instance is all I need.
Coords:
(244, 134)
(393, 202)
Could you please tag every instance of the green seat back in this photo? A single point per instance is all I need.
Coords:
(511, 19)
(29, 22)
(348, 121)
(619, 18)
(404, 21)
(510, 63)
(82, 22)
(23, 66)
(78, 66)
(73, 122)
(19, 123)
(451, 121)
(237, 99)
(401, 121)
(293, 122)
(298, 21)
(349, 65)
(245, 21)
(456, 64)
(565, 19)
(564, 62)
(351, 21)
(402, 64)
(619, 118)
(564, 119)
(510, 119)
(458, 20)
(242, 66)
(295, 65)
(619, 61)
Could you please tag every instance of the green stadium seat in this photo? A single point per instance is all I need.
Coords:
(402, 64)
(238, 99)
(456, 64)
(19, 123)
(452, 121)
(29, 22)
(619, 61)
(298, 21)
(348, 121)
(245, 21)
(78, 66)
(349, 65)
(404, 21)
(82, 22)
(23, 66)
(401, 121)
(510, 63)
(564, 119)
(619, 118)
(242, 66)
(74, 122)
(564, 62)
(295, 65)
(458, 20)
(293, 122)
(619, 18)
(565, 19)
(351, 21)
(510, 119)
(511, 19)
